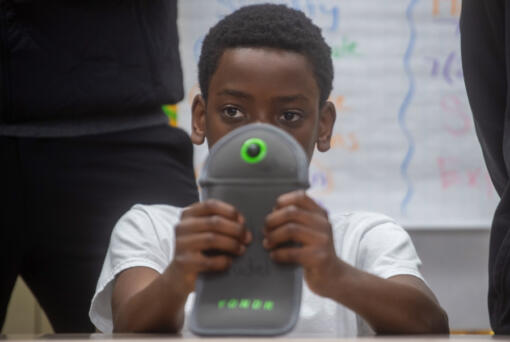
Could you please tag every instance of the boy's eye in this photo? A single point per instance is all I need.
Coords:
(291, 117)
(232, 112)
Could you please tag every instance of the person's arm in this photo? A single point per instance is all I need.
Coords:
(399, 305)
(145, 301)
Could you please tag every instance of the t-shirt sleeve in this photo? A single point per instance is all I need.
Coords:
(138, 240)
(386, 250)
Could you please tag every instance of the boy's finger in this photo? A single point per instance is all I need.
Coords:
(210, 241)
(212, 263)
(215, 223)
(293, 232)
(290, 213)
(286, 255)
(213, 207)
(300, 199)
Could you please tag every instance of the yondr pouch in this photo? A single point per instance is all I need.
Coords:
(249, 168)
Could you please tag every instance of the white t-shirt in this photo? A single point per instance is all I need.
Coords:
(374, 243)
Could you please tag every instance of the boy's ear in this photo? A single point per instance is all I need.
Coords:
(326, 122)
(198, 109)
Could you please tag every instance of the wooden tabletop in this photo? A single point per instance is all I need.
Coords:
(192, 338)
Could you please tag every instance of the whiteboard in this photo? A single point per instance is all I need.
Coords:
(404, 142)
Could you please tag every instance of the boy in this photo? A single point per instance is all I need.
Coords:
(266, 63)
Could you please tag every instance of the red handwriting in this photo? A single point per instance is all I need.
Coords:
(452, 174)
(459, 120)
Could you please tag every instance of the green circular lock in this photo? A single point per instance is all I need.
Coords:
(253, 150)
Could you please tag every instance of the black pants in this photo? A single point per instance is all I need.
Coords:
(485, 38)
(62, 197)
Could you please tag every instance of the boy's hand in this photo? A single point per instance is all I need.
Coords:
(297, 218)
(205, 226)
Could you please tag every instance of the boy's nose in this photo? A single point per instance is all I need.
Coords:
(262, 118)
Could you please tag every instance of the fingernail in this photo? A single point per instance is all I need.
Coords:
(248, 237)
(265, 243)
(242, 249)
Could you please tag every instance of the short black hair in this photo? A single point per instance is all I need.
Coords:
(271, 26)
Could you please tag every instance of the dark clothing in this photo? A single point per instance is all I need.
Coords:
(485, 41)
(86, 66)
(61, 199)
(85, 126)
(82, 139)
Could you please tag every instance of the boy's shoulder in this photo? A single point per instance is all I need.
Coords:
(141, 218)
(351, 228)
(351, 221)
(369, 240)
(359, 220)
(155, 212)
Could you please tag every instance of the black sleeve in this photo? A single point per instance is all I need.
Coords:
(484, 36)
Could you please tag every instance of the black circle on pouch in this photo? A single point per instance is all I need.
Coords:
(253, 150)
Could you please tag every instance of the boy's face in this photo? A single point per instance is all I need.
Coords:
(265, 85)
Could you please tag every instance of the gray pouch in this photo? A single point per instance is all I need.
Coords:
(249, 168)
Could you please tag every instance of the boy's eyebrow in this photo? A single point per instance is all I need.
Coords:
(291, 98)
(283, 98)
(235, 93)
